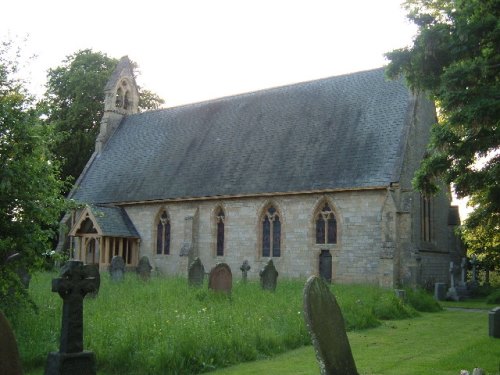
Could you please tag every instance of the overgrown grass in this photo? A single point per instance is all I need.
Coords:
(165, 326)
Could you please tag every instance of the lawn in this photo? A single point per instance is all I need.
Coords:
(166, 327)
(439, 343)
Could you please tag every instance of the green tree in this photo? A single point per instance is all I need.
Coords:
(30, 188)
(455, 58)
(74, 102)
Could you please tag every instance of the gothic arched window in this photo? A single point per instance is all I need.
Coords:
(271, 233)
(326, 226)
(163, 234)
(220, 218)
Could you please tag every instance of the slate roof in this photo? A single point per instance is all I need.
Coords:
(344, 132)
(114, 222)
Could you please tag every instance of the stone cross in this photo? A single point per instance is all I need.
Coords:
(326, 326)
(463, 266)
(196, 273)
(75, 282)
(269, 276)
(452, 270)
(245, 267)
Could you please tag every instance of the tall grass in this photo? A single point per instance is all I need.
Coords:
(164, 326)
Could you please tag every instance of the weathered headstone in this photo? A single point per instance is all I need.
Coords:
(144, 268)
(494, 322)
(245, 267)
(75, 282)
(10, 363)
(221, 278)
(439, 291)
(400, 293)
(196, 273)
(326, 326)
(93, 272)
(269, 276)
(117, 268)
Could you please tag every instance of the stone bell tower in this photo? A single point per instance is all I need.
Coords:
(121, 99)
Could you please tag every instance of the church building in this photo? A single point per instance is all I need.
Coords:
(315, 175)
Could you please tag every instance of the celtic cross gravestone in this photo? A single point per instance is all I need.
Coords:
(75, 282)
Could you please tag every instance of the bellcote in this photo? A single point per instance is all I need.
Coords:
(121, 98)
(121, 93)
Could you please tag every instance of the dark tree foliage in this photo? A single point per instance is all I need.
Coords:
(74, 102)
(455, 58)
(30, 188)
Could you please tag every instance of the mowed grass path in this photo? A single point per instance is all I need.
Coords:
(439, 343)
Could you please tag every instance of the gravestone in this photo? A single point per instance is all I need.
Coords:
(245, 267)
(439, 291)
(400, 294)
(10, 363)
(474, 283)
(93, 272)
(117, 268)
(269, 276)
(494, 322)
(75, 282)
(326, 326)
(196, 273)
(221, 278)
(144, 268)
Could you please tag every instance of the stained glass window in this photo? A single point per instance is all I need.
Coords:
(163, 235)
(220, 232)
(271, 233)
(326, 226)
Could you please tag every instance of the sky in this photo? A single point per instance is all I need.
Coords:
(195, 50)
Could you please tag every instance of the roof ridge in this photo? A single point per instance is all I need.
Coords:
(261, 91)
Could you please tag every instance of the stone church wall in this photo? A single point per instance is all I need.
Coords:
(355, 257)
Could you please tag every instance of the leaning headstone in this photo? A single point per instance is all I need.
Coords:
(117, 268)
(196, 273)
(75, 282)
(439, 291)
(269, 276)
(144, 268)
(478, 371)
(245, 267)
(326, 326)
(221, 278)
(10, 363)
(494, 322)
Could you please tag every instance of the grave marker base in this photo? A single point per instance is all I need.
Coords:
(82, 363)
